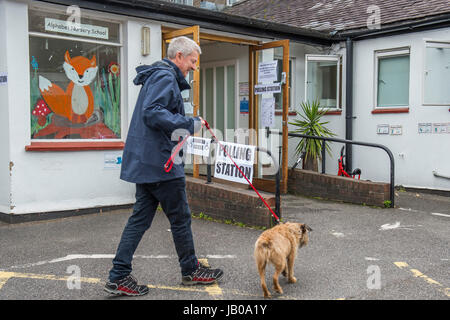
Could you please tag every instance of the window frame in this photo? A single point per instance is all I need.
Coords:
(322, 57)
(442, 44)
(83, 144)
(231, 2)
(214, 65)
(391, 52)
(291, 88)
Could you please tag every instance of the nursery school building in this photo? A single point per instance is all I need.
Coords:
(381, 73)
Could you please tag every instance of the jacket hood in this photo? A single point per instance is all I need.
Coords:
(145, 71)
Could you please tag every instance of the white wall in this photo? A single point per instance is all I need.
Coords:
(422, 153)
(50, 181)
(5, 180)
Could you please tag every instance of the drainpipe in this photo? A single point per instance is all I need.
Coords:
(348, 103)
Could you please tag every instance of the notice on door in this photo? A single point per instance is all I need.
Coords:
(242, 155)
(267, 112)
(267, 71)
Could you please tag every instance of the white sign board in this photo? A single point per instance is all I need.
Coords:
(77, 29)
(267, 71)
(112, 160)
(396, 130)
(198, 146)
(383, 129)
(267, 112)
(3, 78)
(268, 88)
(424, 127)
(242, 155)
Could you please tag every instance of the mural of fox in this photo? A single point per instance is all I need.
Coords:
(77, 102)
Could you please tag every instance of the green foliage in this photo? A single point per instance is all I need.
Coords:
(107, 97)
(310, 124)
(35, 94)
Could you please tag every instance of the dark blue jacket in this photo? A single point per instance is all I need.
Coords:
(158, 112)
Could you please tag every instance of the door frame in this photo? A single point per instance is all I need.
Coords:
(265, 184)
(214, 65)
(194, 31)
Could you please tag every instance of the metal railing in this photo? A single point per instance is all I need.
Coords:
(360, 143)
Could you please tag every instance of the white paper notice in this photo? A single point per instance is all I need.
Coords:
(267, 112)
(198, 146)
(267, 71)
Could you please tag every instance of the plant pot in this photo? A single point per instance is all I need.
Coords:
(311, 163)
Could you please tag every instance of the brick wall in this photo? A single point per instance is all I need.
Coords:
(310, 183)
(228, 202)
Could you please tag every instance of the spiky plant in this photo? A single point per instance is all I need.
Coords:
(310, 124)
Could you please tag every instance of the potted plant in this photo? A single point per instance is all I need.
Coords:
(310, 124)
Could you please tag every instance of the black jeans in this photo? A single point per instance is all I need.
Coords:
(172, 197)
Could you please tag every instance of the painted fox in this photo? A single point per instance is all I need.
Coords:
(77, 102)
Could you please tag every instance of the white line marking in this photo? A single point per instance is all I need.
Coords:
(108, 256)
(395, 225)
(338, 234)
(440, 214)
(371, 259)
(388, 226)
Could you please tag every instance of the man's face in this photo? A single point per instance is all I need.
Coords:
(186, 63)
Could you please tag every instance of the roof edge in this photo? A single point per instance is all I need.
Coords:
(188, 15)
(399, 27)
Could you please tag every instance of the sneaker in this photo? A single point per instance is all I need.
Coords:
(202, 275)
(126, 286)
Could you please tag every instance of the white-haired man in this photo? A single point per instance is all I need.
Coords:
(158, 113)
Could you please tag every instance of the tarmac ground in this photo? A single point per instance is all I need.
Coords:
(355, 253)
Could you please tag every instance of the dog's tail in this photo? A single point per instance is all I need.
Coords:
(262, 251)
(262, 255)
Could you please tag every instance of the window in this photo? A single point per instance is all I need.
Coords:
(185, 2)
(437, 73)
(231, 2)
(75, 90)
(279, 96)
(392, 78)
(323, 75)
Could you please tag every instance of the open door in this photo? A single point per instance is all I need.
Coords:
(191, 98)
(269, 69)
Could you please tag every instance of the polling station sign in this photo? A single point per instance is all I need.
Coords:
(242, 155)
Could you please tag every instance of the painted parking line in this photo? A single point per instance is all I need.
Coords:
(214, 291)
(417, 274)
(5, 276)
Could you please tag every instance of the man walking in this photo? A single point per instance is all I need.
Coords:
(158, 113)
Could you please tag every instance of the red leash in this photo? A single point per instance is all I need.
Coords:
(169, 163)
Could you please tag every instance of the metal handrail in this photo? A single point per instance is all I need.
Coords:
(367, 144)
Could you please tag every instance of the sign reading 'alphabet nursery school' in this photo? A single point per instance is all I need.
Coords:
(242, 155)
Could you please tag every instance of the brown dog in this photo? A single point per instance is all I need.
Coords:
(279, 246)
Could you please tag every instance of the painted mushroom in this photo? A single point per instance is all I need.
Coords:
(41, 110)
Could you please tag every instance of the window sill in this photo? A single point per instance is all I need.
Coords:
(74, 146)
(290, 113)
(391, 110)
(333, 112)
